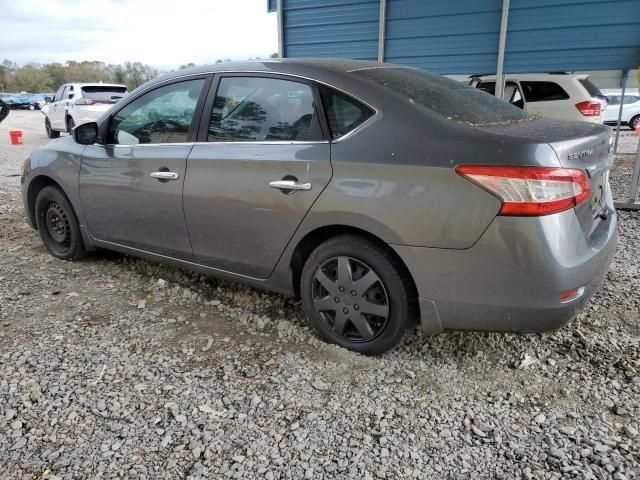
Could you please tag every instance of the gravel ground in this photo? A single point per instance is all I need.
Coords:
(118, 367)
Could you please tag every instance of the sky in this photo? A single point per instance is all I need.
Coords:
(161, 33)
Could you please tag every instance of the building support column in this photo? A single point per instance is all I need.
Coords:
(501, 48)
(382, 21)
(280, 30)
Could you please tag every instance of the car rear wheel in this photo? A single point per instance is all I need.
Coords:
(634, 122)
(356, 294)
(70, 125)
(58, 225)
(51, 133)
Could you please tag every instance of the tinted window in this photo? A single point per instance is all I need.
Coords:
(163, 115)
(590, 87)
(444, 96)
(489, 87)
(630, 99)
(262, 109)
(614, 100)
(103, 94)
(543, 91)
(344, 113)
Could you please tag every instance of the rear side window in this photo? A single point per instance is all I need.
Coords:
(103, 94)
(489, 87)
(543, 91)
(448, 98)
(344, 113)
(590, 87)
(615, 100)
(263, 109)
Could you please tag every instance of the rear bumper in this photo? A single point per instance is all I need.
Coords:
(512, 278)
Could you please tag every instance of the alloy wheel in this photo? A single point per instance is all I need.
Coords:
(350, 298)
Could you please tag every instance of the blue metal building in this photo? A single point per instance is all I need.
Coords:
(463, 36)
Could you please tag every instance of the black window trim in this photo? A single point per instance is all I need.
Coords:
(103, 125)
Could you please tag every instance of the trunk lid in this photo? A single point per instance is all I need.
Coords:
(579, 145)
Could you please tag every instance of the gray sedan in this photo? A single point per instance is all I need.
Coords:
(379, 194)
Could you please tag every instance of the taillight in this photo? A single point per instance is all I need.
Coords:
(589, 108)
(530, 191)
(84, 101)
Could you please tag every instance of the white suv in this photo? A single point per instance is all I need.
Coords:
(555, 95)
(77, 103)
(630, 109)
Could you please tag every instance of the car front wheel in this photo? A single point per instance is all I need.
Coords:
(356, 294)
(634, 122)
(51, 133)
(58, 225)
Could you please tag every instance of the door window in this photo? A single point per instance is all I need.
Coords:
(344, 113)
(263, 109)
(163, 115)
(58, 95)
(543, 91)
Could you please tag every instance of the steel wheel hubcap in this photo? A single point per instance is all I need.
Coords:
(350, 299)
(57, 223)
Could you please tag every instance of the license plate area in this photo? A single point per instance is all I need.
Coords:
(599, 186)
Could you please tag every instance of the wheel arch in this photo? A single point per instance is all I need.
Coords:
(315, 237)
(35, 187)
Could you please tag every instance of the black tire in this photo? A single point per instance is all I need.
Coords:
(365, 260)
(634, 122)
(51, 133)
(70, 125)
(58, 225)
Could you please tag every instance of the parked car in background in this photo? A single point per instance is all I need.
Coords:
(38, 100)
(378, 193)
(78, 103)
(630, 109)
(18, 101)
(554, 95)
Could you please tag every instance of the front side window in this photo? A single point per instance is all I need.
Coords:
(163, 115)
(262, 109)
(543, 91)
(59, 93)
(344, 113)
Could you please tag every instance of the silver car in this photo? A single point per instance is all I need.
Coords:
(379, 194)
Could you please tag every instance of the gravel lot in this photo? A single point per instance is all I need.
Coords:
(118, 367)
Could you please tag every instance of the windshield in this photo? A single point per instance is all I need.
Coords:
(104, 93)
(451, 99)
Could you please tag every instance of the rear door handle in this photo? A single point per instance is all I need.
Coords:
(165, 175)
(290, 185)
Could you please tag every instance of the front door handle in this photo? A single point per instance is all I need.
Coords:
(165, 175)
(290, 185)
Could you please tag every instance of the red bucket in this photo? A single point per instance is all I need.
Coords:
(16, 137)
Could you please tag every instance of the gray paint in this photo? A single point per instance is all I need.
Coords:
(393, 179)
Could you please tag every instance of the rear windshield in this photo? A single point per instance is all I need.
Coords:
(104, 94)
(590, 87)
(444, 96)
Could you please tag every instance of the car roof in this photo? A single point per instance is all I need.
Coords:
(315, 68)
(96, 84)
(536, 76)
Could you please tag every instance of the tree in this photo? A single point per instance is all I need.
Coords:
(275, 55)
(187, 65)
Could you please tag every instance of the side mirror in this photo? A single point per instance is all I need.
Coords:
(86, 134)
(48, 99)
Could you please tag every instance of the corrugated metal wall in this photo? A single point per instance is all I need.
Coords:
(331, 28)
(456, 36)
(461, 36)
